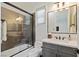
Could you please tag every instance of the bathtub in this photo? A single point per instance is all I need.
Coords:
(13, 51)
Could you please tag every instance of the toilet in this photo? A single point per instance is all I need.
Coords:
(37, 50)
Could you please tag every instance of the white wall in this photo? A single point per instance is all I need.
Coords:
(30, 6)
(12, 9)
(40, 32)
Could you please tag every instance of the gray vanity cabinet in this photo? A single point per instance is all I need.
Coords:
(53, 50)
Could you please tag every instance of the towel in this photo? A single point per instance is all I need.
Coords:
(4, 31)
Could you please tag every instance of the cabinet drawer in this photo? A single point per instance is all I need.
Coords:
(66, 55)
(49, 45)
(49, 50)
(68, 50)
(48, 54)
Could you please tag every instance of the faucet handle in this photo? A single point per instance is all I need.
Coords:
(69, 36)
(56, 37)
(59, 37)
(63, 38)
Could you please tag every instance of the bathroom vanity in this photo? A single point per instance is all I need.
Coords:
(62, 33)
(59, 49)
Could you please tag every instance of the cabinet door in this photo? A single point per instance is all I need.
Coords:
(49, 50)
(65, 55)
(49, 45)
(68, 50)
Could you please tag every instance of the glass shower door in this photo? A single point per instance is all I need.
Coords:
(19, 32)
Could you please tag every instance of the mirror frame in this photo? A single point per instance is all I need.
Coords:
(68, 25)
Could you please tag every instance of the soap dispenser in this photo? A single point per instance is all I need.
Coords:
(69, 37)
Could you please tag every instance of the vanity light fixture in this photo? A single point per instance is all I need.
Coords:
(57, 5)
(61, 6)
(63, 3)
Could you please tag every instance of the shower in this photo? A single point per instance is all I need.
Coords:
(18, 29)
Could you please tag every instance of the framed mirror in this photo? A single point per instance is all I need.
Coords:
(62, 21)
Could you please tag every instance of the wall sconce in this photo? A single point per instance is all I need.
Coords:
(19, 19)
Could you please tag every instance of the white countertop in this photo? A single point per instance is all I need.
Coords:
(69, 43)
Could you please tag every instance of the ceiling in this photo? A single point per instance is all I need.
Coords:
(31, 6)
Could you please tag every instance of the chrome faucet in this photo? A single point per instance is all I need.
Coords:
(58, 37)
